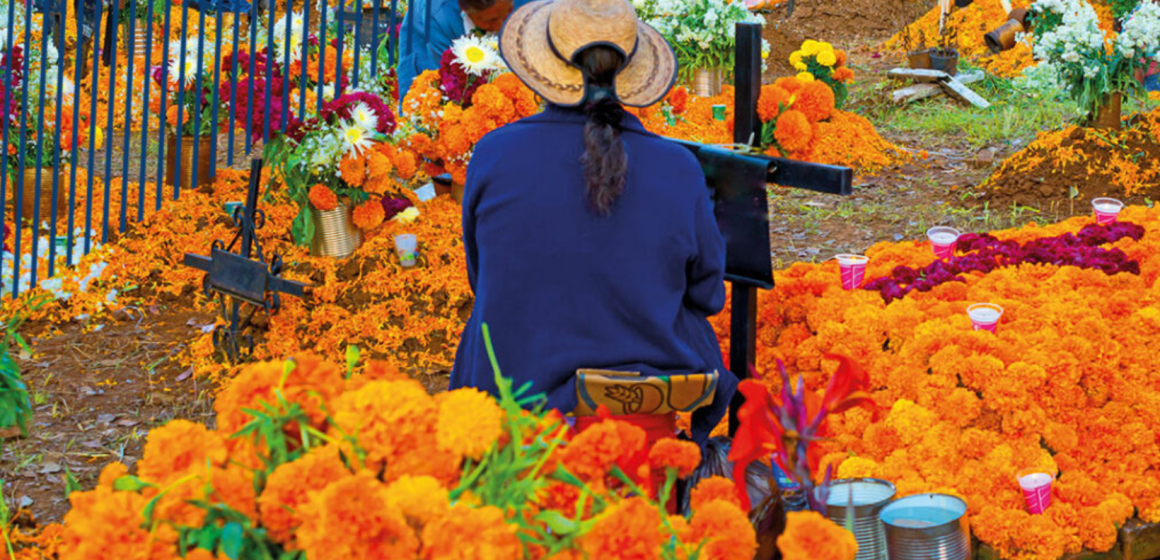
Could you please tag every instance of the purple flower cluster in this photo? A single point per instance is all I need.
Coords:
(984, 253)
(454, 81)
(17, 54)
(392, 206)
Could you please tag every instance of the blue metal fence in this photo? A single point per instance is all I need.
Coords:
(73, 75)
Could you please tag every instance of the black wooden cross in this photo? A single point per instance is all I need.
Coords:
(240, 281)
(739, 182)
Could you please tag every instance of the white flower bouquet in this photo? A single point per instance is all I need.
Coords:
(1069, 39)
(700, 31)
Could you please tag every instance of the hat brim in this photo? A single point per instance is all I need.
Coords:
(524, 45)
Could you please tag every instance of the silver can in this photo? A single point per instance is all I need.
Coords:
(927, 527)
(861, 499)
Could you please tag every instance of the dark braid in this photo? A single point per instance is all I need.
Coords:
(605, 161)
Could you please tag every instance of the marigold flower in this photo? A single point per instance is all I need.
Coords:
(805, 77)
(713, 489)
(815, 101)
(628, 530)
(727, 529)
(178, 448)
(809, 536)
(389, 418)
(793, 131)
(291, 486)
(771, 101)
(592, 453)
(790, 84)
(469, 422)
(672, 453)
(368, 215)
(827, 58)
(323, 198)
(379, 169)
(422, 499)
(353, 169)
(467, 532)
(354, 518)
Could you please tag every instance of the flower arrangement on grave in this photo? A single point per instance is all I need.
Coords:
(823, 62)
(342, 157)
(177, 82)
(315, 460)
(701, 32)
(1096, 70)
(448, 111)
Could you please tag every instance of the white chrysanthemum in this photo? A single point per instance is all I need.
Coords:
(297, 24)
(366, 118)
(355, 139)
(474, 55)
(185, 71)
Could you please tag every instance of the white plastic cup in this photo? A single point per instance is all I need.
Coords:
(1106, 210)
(985, 316)
(406, 245)
(942, 241)
(1036, 487)
(852, 269)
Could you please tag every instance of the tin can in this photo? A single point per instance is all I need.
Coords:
(864, 498)
(335, 234)
(719, 112)
(925, 526)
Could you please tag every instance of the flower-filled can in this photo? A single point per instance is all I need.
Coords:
(925, 526)
(185, 167)
(27, 184)
(335, 234)
(707, 82)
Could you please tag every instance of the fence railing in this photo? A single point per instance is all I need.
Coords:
(108, 109)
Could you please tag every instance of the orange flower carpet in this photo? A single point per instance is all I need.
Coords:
(1067, 384)
(1121, 164)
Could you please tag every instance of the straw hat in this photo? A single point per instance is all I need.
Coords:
(539, 41)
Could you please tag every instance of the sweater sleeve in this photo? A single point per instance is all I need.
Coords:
(705, 272)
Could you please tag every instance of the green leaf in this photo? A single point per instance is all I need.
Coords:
(70, 483)
(303, 226)
(352, 356)
(232, 538)
(130, 483)
(559, 524)
(207, 537)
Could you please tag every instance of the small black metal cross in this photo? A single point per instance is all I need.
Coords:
(239, 280)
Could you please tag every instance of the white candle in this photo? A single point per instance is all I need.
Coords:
(1034, 480)
(1107, 207)
(852, 260)
(985, 315)
(943, 238)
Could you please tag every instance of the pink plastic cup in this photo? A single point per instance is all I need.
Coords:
(1106, 210)
(942, 241)
(853, 269)
(1036, 487)
(985, 316)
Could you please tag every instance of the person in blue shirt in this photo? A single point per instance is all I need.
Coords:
(591, 243)
(421, 48)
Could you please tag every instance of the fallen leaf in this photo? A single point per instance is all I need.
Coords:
(49, 468)
(127, 423)
(24, 502)
(185, 375)
(106, 418)
(91, 444)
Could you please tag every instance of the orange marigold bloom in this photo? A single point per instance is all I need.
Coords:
(815, 101)
(592, 453)
(291, 486)
(789, 83)
(353, 169)
(369, 215)
(470, 422)
(311, 383)
(422, 499)
(840, 55)
(793, 131)
(772, 99)
(679, 99)
(843, 74)
(713, 489)
(727, 529)
(108, 525)
(388, 417)
(493, 104)
(354, 518)
(629, 530)
(672, 453)
(406, 164)
(467, 532)
(323, 198)
(809, 536)
(379, 168)
(178, 448)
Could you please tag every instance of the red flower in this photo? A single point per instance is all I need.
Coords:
(759, 433)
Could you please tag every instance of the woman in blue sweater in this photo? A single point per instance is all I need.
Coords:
(591, 243)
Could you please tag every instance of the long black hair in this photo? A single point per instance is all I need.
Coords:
(604, 161)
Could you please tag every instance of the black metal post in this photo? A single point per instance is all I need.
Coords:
(743, 327)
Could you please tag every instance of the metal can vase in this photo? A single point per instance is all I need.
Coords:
(707, 82)
(184, 170)
(925, 526)
(335, 234)
(137, 41)
(30, 202)
(864, 498)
